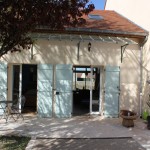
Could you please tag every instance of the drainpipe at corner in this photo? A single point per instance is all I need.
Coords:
(141, 74)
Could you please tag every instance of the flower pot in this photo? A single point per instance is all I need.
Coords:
(148, 122)
(128, 118)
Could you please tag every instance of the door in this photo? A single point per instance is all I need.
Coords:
(63, 103)
(112, 86)
(3, 82)
(29, 86)
(95, 90)
(44, 87)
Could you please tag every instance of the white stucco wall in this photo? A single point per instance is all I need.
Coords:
(101, 54)
(65, 52)
(138, 12)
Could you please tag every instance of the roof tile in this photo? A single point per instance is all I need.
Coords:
(111, 21)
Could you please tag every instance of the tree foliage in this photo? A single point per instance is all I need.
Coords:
(20, 17)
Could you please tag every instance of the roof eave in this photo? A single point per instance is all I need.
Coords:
(88, 31)
(114, 32)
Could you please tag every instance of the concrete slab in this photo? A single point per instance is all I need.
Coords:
(76, 127)
(86, 144)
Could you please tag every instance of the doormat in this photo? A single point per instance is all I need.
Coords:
(126, 143)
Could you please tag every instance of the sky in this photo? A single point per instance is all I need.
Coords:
(99, 4)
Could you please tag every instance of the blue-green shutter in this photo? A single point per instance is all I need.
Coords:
(63, 103)
(112, 86)
(3, 82)
(45, 83)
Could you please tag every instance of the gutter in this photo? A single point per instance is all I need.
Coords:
(141, 74)
(91, 31)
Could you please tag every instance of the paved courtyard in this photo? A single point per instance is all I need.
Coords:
(87, 144)
(42, 129)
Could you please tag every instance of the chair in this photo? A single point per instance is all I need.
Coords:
(15, 109)
(5, 107)
(2, 107)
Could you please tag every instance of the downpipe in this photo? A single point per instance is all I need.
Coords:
(141, 76)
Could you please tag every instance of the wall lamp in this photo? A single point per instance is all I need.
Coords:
(89, 47)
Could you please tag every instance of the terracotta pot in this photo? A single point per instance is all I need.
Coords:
(128, 117)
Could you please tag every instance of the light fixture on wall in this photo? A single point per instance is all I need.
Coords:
(89, 47)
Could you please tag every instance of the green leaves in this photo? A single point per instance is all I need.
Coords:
(20, 17)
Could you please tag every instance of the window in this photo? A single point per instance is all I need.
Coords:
(95, 17)
(82, 77)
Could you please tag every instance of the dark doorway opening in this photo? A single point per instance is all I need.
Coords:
(16, 80)
(29, 87)
(86, 82)
(81, 90)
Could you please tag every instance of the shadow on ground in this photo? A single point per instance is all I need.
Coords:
(88, 144)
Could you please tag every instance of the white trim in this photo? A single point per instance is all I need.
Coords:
(20, 86)
(91, 90)
(54, 90)
(100, 92)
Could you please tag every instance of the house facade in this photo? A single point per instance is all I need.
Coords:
(138, 12)
(92, 69)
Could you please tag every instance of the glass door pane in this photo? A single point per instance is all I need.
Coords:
(16, 81)
(95, 79)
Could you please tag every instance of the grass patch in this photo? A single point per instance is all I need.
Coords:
(13, 142)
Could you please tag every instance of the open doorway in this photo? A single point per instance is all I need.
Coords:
(29, 87)
(86, 90)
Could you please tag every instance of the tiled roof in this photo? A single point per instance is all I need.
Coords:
(111, 21)
(111, 24)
